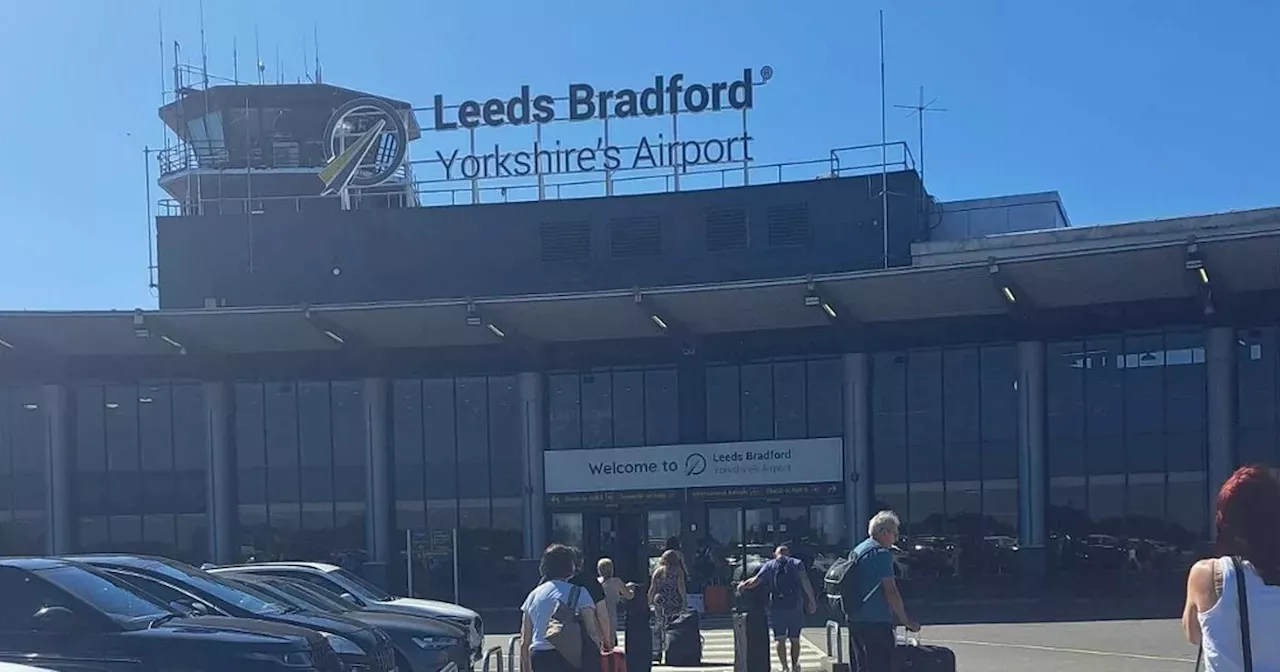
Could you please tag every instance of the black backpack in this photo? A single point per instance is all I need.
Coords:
(840, 585)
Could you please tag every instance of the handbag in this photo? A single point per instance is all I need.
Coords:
(564, 630)
(1242, 596)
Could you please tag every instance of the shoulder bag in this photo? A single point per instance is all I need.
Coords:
(564, 630)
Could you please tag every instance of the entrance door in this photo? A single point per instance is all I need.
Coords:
(744, 537)
(619, 540)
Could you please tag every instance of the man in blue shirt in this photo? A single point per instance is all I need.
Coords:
(785, 577)
(871, 639)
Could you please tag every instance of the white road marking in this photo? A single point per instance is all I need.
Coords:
(1060, 649)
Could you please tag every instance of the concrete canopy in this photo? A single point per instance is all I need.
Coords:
(1062, 268)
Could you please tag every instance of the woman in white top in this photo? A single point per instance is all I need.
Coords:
(1248, 526)
(536, 653)
(614, 591)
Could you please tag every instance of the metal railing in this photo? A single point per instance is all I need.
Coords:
(841, 162)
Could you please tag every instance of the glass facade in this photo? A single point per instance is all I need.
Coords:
(23, 480)
(1258, 380)
(1126, 450)
(796, 399)
(300, 470)
(613, 408)
(140, 466)
(458, 446)
(944, 455)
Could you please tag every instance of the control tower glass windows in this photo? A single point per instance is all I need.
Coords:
(207, 142)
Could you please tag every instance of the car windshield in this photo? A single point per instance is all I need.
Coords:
(361, 588)
(272, 592)
(109, 595)
(316, 598)
(221, 589)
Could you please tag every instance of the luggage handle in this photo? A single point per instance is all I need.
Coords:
(907, 637)
(835, 641)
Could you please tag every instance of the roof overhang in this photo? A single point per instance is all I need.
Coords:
(1061, 269)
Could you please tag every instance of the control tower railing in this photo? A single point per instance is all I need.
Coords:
(841, 162)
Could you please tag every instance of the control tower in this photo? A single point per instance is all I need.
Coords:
(258, 148)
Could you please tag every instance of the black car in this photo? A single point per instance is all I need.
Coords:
(64, 616)
(361, 647)
(423, 644)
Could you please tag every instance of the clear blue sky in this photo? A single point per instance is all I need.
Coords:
(1131, 110)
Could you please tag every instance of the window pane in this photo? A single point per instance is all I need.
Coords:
(757, 402)
(565, 425)
(825, 397)
(597, 409)
(789, 391)
(473, 444)
(662, 404)
(628, 408)
(723, 404)
(441, 449)
(506, 437)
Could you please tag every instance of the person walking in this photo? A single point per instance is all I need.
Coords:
(1236, 635)
(537, 652)
(871, 639)
(667, 593)
(615, 591)
(790, 597)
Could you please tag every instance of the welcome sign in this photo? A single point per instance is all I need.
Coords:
(745, 463)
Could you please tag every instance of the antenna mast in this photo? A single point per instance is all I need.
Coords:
(884, 153)
(204, 50)
(315, 43)
(919, 110)
(257, 55)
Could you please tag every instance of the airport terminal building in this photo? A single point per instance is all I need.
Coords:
(349, 374)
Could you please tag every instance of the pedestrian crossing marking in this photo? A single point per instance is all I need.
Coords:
(717, 653)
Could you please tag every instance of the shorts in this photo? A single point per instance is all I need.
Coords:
(787, 622)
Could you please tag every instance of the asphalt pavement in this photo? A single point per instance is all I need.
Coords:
(1058, 646)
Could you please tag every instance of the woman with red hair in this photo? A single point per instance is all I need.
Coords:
(1233, 602)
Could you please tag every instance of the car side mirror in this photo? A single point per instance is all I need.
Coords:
(56, 619)
(351, 599)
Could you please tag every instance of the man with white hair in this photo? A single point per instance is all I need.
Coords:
(871, 624)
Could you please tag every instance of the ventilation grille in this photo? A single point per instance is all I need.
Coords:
(635, 236)
(789, 225)
(565, 241)
(726, 229)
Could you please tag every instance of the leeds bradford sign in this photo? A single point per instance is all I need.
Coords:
(668, 95)
(585, 102)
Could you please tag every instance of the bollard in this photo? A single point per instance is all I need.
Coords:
(835, 662)
(513, 665)
(493, 654)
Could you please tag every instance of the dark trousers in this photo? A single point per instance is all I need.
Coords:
(550, 661)
(871, 647)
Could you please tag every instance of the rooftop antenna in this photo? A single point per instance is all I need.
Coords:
(235, 62)
(884, 153)
(279, 66)
(306, 71)
(315, 42)
(919, 110)
(204, 50)
(257, 54)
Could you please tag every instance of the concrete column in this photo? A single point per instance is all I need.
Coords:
(858, 499)
(220, 477)
(379, 497)
(1220, 358)
(1032, 471)
(60, 519)
(534, 413)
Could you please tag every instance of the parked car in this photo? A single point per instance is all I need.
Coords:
(362, 648)
(365, 595)
(67, 617)
(423, 643)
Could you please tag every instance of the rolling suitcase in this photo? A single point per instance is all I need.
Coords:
(684, 641)
(614, 661)
(751, 642)
(639, 636)
(912, 656)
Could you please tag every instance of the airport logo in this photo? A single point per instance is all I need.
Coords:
(366, 142)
